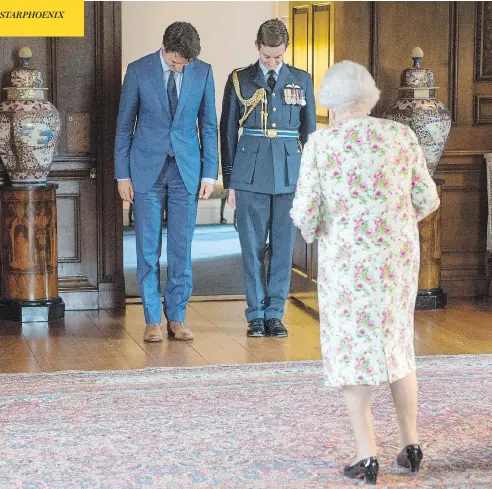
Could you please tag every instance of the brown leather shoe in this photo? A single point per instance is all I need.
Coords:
(179, 331)
(153, 333)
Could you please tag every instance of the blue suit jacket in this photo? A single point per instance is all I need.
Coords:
(260, 164)
(145, 129)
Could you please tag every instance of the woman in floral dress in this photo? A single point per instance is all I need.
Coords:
(363, 186)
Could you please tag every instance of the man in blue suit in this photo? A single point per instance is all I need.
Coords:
(274, 105)
(166, 151)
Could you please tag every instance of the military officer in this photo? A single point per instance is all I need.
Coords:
(273, 105)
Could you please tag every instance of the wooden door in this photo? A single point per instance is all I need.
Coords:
(312, 49)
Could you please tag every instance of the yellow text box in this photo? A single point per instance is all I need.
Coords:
(44, 18)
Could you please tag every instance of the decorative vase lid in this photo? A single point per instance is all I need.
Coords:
(417, 80)
(25, 76)
(26, 82)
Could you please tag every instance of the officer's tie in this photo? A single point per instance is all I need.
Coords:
(271, 80)
(172, 93)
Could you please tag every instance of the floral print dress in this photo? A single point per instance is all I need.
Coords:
(363, 185)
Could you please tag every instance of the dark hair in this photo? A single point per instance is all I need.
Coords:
(182, 38)
(272, 33)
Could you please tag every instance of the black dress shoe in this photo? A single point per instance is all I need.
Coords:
(410, 458)
(256, 328)
(367, 468)
(274, 327)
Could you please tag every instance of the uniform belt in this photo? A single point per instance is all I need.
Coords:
(271, 133)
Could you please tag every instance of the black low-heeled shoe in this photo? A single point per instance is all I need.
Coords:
(410, 458)
(367, 468)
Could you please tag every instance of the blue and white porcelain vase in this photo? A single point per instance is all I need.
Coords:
(29, 126)
(417, 107)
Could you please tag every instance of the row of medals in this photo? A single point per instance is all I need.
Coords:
(294, 95)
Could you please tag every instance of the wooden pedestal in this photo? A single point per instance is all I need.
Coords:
(430, 294)
(29, 254)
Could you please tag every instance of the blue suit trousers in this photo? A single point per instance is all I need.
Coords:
(181, 219)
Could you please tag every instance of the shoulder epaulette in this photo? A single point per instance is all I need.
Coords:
(295, 68)
(244, 67)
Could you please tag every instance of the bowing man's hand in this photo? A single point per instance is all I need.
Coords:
(206, 190)
(125, 189)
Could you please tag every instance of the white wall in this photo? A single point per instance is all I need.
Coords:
(227, 31)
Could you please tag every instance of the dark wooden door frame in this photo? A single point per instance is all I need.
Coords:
(109, 206)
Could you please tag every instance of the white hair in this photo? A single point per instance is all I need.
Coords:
(348, 86)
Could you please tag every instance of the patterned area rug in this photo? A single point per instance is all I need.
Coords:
(250, 426)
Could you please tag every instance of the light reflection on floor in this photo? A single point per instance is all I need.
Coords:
(216, 257)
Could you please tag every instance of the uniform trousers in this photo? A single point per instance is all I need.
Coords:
(261, 217)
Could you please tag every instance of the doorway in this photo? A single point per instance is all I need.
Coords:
(215, 251)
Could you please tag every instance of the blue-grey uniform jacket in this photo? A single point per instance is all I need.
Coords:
(258, 163)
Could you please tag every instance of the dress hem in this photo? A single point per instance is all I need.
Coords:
(372, 382)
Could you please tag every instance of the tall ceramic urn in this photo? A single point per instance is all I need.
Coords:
(417, 107)
(29, 125)
(29, 130)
